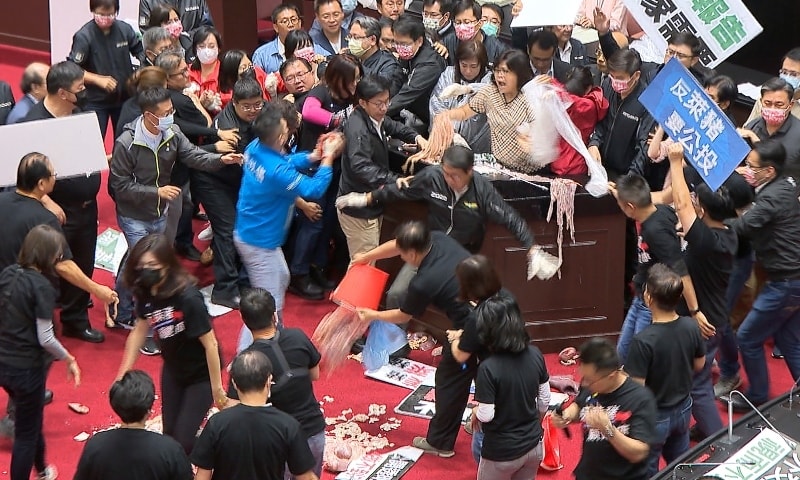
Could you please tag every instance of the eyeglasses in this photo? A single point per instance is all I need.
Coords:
(465, 22)
(680, 56)
(298, 76)
(501, 71)
(397, 5)
(54, 174)
(169, 112)
(289, 21)
(791, 73)
(355, 37)
(101, 16)
(493, 21)
(755, 169)
(255, 107)
(184, 72)
(380, 105)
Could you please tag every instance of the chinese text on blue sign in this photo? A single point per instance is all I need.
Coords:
(688, 115)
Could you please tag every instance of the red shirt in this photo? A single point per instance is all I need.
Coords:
(585, 112)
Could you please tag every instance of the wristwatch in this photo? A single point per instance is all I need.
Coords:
(610, 431)
(694, 312)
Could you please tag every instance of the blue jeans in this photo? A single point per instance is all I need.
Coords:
(704, 408)
(26, 388)
(672, 434)
(267, 269)
(728, 350)
(637, 319)
(316, 443)
(775, 313)
(477, 444)
(134, 230)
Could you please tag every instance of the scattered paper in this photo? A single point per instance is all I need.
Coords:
(78, 408)
(81, 437)
(749, 90)
(405, 373)
(110, 250)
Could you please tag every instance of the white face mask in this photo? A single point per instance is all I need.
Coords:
(207, 55)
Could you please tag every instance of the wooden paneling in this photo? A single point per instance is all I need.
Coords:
(26, 25)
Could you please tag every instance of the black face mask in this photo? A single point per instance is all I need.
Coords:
(81, 98)
(149, 277)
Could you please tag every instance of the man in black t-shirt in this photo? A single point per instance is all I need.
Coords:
(711, 248)
(76, 198)
(252, 440)
(295, 362)
(131, 452)
(435, 256)
(618, 416)
(657, 243)
(664, 356)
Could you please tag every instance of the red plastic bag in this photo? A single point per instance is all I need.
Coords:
(552, 454)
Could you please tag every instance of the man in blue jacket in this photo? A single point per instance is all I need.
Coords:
(271, 183)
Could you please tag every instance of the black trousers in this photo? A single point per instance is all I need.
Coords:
(453, 380)
(25, 387)
(183, 408)
(219, 200)
(81, 234)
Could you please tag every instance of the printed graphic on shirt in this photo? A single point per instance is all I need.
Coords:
(642, 249)
(166, 322)
(619, 419)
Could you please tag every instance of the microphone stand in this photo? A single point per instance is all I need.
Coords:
(692, 465)
(731, 438)
(791, 392)
(789, 441)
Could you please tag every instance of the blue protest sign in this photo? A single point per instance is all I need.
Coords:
(688, 115)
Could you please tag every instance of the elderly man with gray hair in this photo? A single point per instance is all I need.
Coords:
(364, 42)
(155, 41)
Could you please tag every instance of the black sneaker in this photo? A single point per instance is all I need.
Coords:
(320, 277)
(302, 286)
(150, 347)
(189, 252)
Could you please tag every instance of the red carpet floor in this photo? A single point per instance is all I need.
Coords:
(348, 387)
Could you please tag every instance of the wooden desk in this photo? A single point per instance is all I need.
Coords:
(586, 301)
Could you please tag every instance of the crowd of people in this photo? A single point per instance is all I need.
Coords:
(289, 152)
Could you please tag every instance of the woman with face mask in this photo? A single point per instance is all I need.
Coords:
(204, 70)
(299, 44)
(165, 15)
(28, 344)
(467, 25)
(168, 301)
(95, 47)
(236, 65)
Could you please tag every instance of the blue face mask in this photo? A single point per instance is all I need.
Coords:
(490, 29)
(348, 6)
(793, 81)
(164, 123)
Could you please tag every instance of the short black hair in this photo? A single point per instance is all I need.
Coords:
(500, 325)
(466, 6)
(290, 61)
(95, 4)
(496, 9)
(633, 189)
(30, 77)
(445, 6)
(600, 353)
(467, 50)
(777, 84)
(319, 3)
(149, 98)
(518, 62)
(250, 371)
(132, 396)
(371, 86)
(664, 287)
(726, 88)
(544, 39)
(771, 153)
(62, 75)
(282, 8)
(793, 54)
(32, 168)
(625, 60)
(477, 279)
(413, 236)
(246, 88)
(229, 69)
(386, 22)
(410, 26)
(687, 39)
(159, 14)
(267, 126)
(460, 157)
(579, 79)
(718, 205)
(257, 308)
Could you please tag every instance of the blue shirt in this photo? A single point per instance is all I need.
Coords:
(268, 56)
(21, 109)
(270, 184)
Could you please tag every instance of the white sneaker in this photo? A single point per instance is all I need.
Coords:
(50, 473)
(726, 385)
(206, 234)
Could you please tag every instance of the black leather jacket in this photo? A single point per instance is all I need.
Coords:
(464, 218)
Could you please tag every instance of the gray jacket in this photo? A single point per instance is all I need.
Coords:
(138, 171)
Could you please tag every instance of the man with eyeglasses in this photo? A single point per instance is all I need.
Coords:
(775, 122)
(218, 191)
(467, 23)
(365, 33)
(332, 38)
(298, 78)
(619, 416)
(270, 56)
(570, 50)
(772, 225)
(155, 41)
(542, 50)
(350, 14)
(194, 13)
(391, 8)
(436, 20)
(790, 71)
